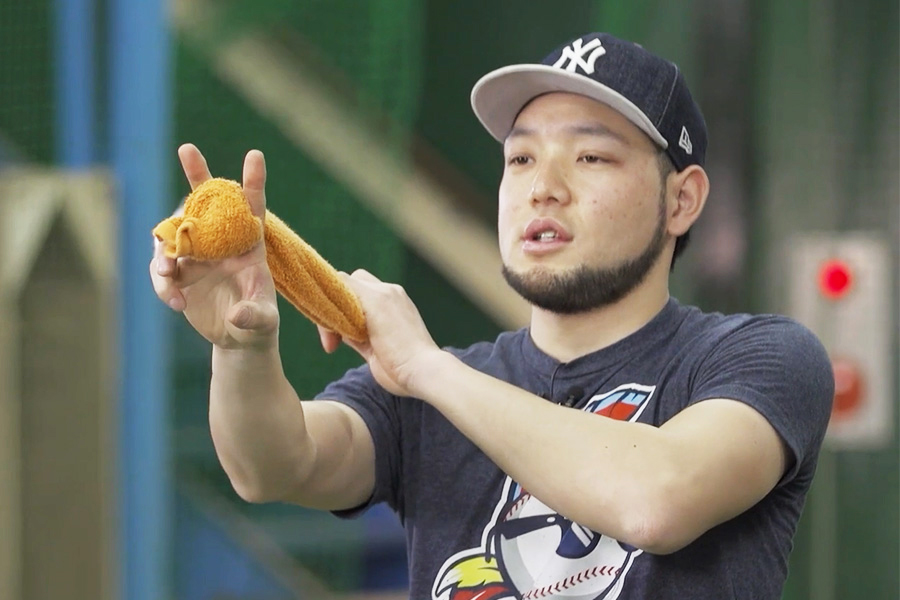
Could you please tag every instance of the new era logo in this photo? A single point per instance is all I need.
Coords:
(573, 57)
(685, 141)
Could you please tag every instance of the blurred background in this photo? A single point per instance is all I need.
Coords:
(109, 485)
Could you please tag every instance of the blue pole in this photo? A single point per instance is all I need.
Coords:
(74, 53)
(139, 129)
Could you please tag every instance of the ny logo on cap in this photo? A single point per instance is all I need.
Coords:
(685, 141)
(575, 53)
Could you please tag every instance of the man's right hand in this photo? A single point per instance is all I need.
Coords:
(231, 302)
(271, 445)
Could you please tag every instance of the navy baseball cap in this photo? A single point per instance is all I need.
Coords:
(647, 90)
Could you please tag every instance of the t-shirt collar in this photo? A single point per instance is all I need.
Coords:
(659, 328)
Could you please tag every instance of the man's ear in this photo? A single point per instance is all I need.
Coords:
(688, 191)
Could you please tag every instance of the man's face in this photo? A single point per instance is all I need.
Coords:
(582, 215)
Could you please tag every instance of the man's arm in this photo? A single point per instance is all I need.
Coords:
(275, 447)
(657, 488)
(272, 446)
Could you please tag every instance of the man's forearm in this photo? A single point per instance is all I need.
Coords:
(257, 424)
(598, 472)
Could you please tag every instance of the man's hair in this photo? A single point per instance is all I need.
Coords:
(666, 168)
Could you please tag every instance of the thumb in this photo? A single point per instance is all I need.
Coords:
(254, 182)
(253, 316)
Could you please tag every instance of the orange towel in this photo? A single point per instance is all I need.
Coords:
(217, 223)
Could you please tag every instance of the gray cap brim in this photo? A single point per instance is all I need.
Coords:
(498, 97)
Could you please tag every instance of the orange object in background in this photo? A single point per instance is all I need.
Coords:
(849, 389)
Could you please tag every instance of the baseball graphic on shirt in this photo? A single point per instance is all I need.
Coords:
(530, 552)
(545, 555)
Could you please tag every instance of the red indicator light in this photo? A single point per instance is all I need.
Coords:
(835, 279)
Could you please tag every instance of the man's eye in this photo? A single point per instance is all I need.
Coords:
(593, 158)
(518, 159)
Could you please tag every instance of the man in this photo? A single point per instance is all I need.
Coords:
(621, 446)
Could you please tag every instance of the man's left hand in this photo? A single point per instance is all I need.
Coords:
(399, 343)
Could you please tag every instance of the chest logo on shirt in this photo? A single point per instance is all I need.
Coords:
(530, 552)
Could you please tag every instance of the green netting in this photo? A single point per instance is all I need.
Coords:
(375, 44)
(26, 79)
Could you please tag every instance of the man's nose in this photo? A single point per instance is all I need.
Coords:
(550, 185)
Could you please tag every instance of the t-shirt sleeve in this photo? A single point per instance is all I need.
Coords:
(379, 410)
(780, 368)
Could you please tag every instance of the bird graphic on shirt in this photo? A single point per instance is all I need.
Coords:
(474, 578)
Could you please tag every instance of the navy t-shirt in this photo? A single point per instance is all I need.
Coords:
(472, 532)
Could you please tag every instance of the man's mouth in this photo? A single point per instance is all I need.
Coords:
(545, 236)
(545, 230)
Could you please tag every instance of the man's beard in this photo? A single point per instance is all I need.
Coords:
(585, 288)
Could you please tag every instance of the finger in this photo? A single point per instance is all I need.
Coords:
(255, 182)
(330, 340)
(363, 275)
(165, 266)
(176, 302)
(166, 290)
(360, 282)
(193, 164)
